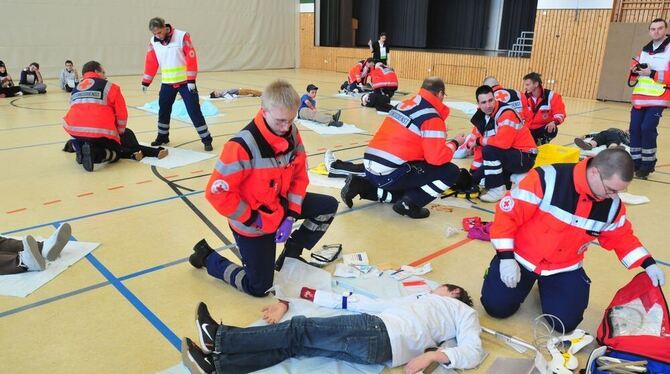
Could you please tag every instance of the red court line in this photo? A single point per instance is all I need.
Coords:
(114, 188)
(144, 181)
(321, 149)
(662, 165)
(440, 252)
(172, 176)
(16, 210)
(354, 143)
(338, 146)
(85, 194)
(51, 202)
(196, 171)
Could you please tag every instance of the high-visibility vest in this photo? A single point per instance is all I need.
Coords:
(649, 87)
(171, 58)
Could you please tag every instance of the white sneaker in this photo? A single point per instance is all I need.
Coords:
(329, 158)
(52, 247)
(493, 195)
(31, 257)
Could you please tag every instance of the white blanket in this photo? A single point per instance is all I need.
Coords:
(323, 129)
(178, 157)
(355, 96)
(179, 111)
(23, 284)
(465, 107)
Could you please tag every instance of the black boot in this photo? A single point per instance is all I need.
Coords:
(405, 207)
(290, 250)
(200, 252)
(161, 140)
(355, 186)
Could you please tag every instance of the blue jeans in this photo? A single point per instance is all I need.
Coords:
(166, 98)
(643, 134)
(360, 338)
(565, 295)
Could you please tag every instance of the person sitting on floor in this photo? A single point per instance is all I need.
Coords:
(7, 87)
(393, 332)
(31, 81)
(231, 93)
(358, 76)
(308, 111)
(69, 77)
(610, 138)
(18, 256)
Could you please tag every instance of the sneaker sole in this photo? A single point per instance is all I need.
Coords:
(188, 360)
(86, 157)
(581, 143)
(345, 190)
(64, 233)
(203, 346)
(35, 252)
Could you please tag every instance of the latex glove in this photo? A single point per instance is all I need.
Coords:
(144, 89)
(655, 274)
(510, 273)
(284, 230)
(259, 222)
(191, 87)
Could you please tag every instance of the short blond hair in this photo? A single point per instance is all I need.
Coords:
(280, 93)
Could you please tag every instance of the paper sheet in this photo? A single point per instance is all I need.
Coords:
(323, 129)
(178, 157)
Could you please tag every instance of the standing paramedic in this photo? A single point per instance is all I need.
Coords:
(173, 50)
(259, 183)
(650, 96)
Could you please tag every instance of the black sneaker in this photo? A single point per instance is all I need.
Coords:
(78, 157)
(405, 207)
(353, 187)
(195, 360)
(583, 144)
(206, 326)
(642, 174)
(288, 251)
(161, 140)
(208, 147)
(86, 157)
(200, 252)
(335, 124)
(336, 116)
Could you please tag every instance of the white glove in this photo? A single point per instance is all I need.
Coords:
(144, 88)
(655, 274)
(510, 273)
(191, 87)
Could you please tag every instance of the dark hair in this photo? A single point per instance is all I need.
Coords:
(433, 84)
(156, 22)
(659, 20)
(535, 77)
(382, 34)
(91, 66)
(2, 63)
(463, 297)
(482, 90)
(614, 161)
(35, 64)
(369, 60)
(68, 61)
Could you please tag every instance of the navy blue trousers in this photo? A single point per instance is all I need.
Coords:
(565, 295)
(256, 275)
(643, 134)
(166, 98)
(499, 164)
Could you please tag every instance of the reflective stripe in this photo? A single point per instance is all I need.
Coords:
(385, 155)
(648, 87)
(649, 150)
(434, 134)
(476, 164)
(489, 133)
(91, 97)
(121, 122)
(636, 156)
(427, 189)
(531, 267)
(492, 163)
(239, 211)
(173, 75)
(312, 226)
(652, 158)
(92, 130)
(523, 195)
(384, 196)
(148, 77)
(615, 225)
(423, 112)
(634, 256)
(400, 117)
(191, 73)
(163, 125)
(643, 102)
(228, 272)
(238, 279)
(249, 230)
(324, 217)
(377, 168)
(231, 168)
(512, 124)
(295, 198)
(441, 185)
(503, 243)
(492, 171)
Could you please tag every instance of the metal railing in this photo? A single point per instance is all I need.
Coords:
(523, 45)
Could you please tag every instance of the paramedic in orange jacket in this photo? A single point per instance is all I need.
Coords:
(259, 183)
(543, 109)
(408, 161)
(650, 97)
(507, 145)
(543, 227)
(173, 50)
(97, 117)
(358, 76)
(383, 80)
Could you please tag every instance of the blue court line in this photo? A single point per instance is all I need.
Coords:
(76, 218)
(136, 302)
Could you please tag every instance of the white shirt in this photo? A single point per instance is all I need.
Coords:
(417, 322)
(382, 51)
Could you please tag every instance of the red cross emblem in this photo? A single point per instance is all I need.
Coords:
(85, 84)
(507, 204)
(502, 95)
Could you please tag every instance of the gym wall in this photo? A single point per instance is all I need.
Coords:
(227, 35)
(568, 51)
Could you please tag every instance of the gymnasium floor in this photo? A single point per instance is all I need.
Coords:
(124, 308)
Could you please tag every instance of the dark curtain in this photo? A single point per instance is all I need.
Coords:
(458, 24)
(330, 23)
(518, 16)
(367, 13)
(404, 22)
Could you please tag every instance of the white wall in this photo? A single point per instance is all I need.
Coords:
(227, 34)
(574, 4)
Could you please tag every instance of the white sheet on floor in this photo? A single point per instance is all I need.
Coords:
(178, 157)
(463, 106)
(355, 96)
(23, 284)
(226, 98)
(630, 199)
(323, 129)
(179, 112)
(324, 181)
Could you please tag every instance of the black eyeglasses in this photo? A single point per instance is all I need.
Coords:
(609, 191)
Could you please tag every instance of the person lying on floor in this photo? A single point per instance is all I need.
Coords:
(18, 256)
(131, 149)
(611, 137)
(392, 332)
(230, 93)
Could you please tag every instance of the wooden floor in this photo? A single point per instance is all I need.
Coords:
(124, 308)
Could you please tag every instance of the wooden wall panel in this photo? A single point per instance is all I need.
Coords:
(639, 11)
(568, 52)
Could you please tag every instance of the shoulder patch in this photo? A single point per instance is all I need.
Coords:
(219, 186)
(506, 204)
